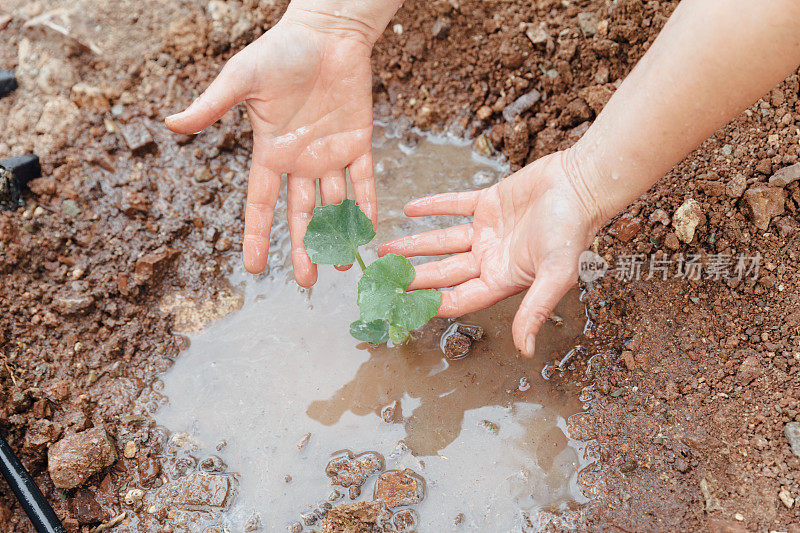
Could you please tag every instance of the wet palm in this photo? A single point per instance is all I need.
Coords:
(527, 231)
(309, 99)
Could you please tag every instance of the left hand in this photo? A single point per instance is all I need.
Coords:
(527, 231)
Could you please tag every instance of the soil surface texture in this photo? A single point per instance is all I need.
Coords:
(130, 233)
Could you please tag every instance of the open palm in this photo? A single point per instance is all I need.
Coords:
(309, 99)
(527, 231)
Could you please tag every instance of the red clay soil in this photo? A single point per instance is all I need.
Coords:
(693, 381)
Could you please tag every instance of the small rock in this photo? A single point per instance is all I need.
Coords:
(346, 469)
(786, 497)
(763, 203)
(538, 35)
(74, 459)
(203, 492)
(686, 219)
(660, 216)
(588, 23)
(516, 138)
(89, 97)
(389, 412)
(629, 360)
(73, 304)
(482, 146)
(473, 332)
(134, 498)
(736, 186)
(223, 244)
(137, 137)
(355, 517)
(456, 346)
(151, 266)
(574, 113)
(520, 105)
(785, 176)
(405, 521)
(415, 45)
(792, 432)
(764, 166)
(130, 449)
(441, 27)
(712, 187)
(749, 370)
(354, 491)
(8, 82)
(303, 442)
(511, 53)
(484, 112)
(397, 488)
(43, 186)
(626, 227)
(628, 466)
(85, 508)
(70, 208)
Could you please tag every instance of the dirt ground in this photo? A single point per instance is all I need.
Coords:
(692, 381)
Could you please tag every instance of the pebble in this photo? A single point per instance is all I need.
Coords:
(303, 442)
(736, 186)
(70, 208)
(785, 176)
(792, 432)
(686, 219)
(484, 112)
(203, 492)
(661, 216)
(516, 138)
(396, 488)
(626, 227)
(389, 412)
(764, 203)
(482, 146)
(134, 497)
(749, 370)
(137, 137)
(130, 450)
(786, 497)
(223, 244)
(346, 469)
(203, 175)
(75, 458)
(521, 104)
(588, 21)
(441, 27)
(628, 466)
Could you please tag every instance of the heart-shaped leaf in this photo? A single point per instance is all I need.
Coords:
(335, 232)
(376, 332)
(382, 296)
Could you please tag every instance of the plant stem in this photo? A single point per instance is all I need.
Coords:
(360, 261)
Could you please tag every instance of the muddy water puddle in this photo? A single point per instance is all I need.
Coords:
(279, 387)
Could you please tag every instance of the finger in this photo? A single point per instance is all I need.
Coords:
(300, 200)
(549, 286)
(263, 186)
(363, 180)
(446, 272)
(470, 296)
(333, 190)
(449, 203)
(228, 89)
(438, 242)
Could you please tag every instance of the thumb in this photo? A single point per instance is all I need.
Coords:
(228, 89)
(549, 286)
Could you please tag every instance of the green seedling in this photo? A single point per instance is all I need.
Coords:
(388, 309)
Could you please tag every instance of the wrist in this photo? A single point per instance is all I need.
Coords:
(361, 21)
(588, 182)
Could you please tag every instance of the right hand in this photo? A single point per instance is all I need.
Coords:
(527, 232)
(308, 93)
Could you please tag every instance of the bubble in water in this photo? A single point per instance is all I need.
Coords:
(483, 178)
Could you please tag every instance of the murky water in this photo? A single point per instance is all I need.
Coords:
(487, 432)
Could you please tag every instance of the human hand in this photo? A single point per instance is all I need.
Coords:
(308, 92)
(527, 231)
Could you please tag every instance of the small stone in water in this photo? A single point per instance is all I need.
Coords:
(405, 520)
(303, 441)
(309, 519)
(287, 478)
(456, 346)
(628, 466)
(334, 495)
(347, 469)
(473, 332)
(130, 450)
(389, 412)
(354, 491)
(295, 527)
(491, 426)
(397, 488)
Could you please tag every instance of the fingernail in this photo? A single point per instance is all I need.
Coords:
(530, 344)
(172, 116)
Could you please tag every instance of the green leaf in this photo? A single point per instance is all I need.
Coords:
(335, 232)
(382, 296)
(398, 335)
(376, 332)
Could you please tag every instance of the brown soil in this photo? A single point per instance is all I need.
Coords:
(693, 381)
